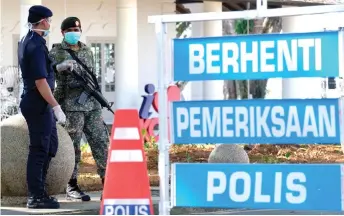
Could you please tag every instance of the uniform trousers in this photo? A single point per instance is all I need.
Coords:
(92, 125)
(43, 145)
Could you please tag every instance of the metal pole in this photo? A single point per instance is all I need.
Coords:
(163, 163)
(248, 32)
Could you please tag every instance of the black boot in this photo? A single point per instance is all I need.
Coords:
(49, 197)
(74, 193)
(42, 202)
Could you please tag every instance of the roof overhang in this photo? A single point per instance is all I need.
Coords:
(235, 5)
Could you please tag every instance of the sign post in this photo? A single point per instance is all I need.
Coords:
(318, 54)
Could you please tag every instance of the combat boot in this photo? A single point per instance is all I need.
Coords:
(74, 193)
(42, 202)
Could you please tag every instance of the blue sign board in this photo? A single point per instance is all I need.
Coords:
(288, 121)
(257, 57)
(259, 186)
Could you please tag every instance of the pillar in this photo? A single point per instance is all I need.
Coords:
(213, 90)
(126, 58)
(295, 87)
(194, 89)
(24, 13)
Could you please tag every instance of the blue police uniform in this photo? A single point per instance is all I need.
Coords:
(35, 64)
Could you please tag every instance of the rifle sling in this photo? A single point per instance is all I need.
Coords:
(84, 66)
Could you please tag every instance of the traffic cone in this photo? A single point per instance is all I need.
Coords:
(126, 189)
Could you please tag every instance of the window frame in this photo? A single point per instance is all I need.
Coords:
(102, 41)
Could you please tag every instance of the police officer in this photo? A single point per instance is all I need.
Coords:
(38, 105)
(84, 112)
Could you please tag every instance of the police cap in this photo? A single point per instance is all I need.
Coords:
(38, 12)
(70, 22)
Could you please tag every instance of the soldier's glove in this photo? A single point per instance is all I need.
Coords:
(60, 116)
(66, 65)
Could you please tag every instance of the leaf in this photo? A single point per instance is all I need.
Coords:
(288, 154)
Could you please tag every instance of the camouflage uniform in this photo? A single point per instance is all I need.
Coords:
(85, 118)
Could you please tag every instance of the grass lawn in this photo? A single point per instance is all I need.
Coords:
(90, 181)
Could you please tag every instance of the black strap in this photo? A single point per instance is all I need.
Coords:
(71, 52)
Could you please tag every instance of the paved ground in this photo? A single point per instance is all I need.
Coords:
(92, 208)
(66, 207)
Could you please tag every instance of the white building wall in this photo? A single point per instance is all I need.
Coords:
(147, 39)
(10, 28)
(98, 20)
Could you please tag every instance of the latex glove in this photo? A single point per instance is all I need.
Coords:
(65, 65)
(59, 114)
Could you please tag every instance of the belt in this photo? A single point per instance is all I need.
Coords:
(33, 89)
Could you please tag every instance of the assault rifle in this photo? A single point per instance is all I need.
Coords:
(90, 84)
(92, 90)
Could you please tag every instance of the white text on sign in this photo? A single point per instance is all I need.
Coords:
(265, 56)
(218, 183)
(126, 210)
(256, 121)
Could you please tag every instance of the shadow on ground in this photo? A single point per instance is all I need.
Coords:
(194, 211)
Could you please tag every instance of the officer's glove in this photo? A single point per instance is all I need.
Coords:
(60, 116)
(66, 65)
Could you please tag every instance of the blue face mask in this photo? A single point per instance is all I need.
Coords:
(72, 37)
(45, 32)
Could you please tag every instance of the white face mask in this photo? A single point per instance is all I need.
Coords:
(45, 32)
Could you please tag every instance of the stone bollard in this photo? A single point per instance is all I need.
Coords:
(228, 153)
(14, 152)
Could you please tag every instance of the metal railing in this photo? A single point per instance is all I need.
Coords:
(10, 89)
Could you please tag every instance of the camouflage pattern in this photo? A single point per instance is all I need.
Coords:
(81, 119)
(91, 123)
(68, 88)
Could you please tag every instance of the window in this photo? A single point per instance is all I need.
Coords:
(104, 66)
(104, 63)
(109, 67)
(97, 57)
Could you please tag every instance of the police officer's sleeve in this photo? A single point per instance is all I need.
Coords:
(38, 64)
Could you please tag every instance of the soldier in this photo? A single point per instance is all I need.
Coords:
(38, 105)
(83, 112)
